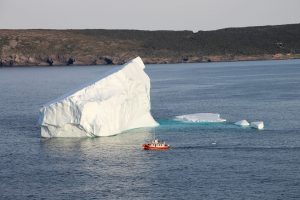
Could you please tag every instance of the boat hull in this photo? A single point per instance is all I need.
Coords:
(158, 148)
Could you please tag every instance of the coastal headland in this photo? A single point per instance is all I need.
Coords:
(45, 47)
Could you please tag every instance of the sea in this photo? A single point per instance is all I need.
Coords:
(205, 161)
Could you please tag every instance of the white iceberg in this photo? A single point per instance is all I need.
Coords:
(117, 102)
(200, 117)
(242, 123)
(258, 125)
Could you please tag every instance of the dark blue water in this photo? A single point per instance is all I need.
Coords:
(206, 161)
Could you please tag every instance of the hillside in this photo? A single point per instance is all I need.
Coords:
(90, 47)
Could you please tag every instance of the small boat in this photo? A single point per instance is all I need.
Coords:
(156, 145)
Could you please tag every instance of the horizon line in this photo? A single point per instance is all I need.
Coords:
(121, 29)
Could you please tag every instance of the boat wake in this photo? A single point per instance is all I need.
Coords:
(247, 148)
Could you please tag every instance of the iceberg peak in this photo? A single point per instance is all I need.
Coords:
(118, 101)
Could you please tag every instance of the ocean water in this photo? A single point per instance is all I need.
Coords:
(206, 161)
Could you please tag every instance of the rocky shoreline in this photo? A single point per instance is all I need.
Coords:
(114, 47)
(22, 61)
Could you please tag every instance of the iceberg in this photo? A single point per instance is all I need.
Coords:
(242, 123)
(118, 101)
(258, 125)
(200, 117)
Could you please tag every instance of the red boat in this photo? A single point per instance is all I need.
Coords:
(156, 145)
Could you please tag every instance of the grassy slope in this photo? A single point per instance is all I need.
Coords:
(34, 47)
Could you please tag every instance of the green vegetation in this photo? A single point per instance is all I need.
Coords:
(35, 47)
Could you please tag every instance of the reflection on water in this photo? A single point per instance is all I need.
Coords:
(101, 160)
(131, 139)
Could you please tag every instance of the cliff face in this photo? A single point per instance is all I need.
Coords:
(91, 47)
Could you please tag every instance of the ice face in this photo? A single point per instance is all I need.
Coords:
(200, 117)
(117, 102)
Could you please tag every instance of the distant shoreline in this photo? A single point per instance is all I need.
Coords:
(87, 65)
(43, 47)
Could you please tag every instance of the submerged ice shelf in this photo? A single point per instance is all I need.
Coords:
(117, 102)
